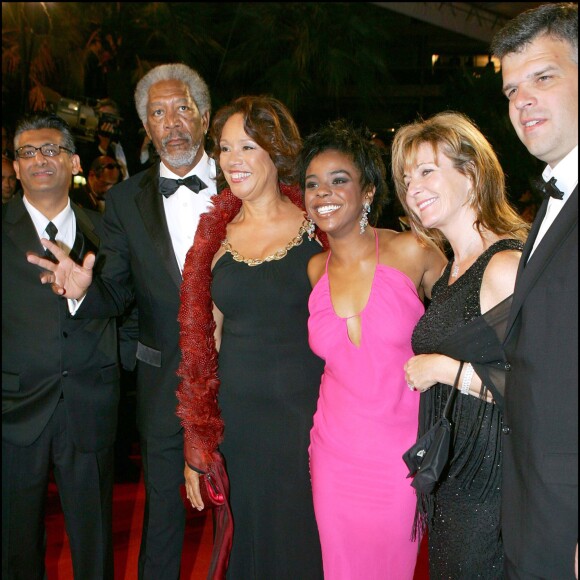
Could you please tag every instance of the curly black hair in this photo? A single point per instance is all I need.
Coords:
(340, 135)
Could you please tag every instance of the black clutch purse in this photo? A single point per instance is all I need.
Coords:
(427, 458)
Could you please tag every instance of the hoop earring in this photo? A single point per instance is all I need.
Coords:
(364, 220)
(310, 228)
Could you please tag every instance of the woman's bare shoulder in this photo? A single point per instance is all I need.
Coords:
(499, 277)
(404, 242)
(317, 267)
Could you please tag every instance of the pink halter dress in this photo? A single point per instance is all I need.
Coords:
(366, 418)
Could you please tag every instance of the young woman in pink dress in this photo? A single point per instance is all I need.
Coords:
(367, 297)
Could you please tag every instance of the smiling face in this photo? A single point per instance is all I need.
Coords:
(541, 83)
(175, 125)
(45, 177)
(332, 193)
(247, 167)
(437, 192)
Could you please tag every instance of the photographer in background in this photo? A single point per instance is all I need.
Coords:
(104, 172)
(107, 138)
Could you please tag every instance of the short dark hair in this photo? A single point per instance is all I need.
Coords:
(43, 120)
(270, 124)
(557, 20)
(342, 136)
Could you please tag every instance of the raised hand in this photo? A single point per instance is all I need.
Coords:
(66, 277)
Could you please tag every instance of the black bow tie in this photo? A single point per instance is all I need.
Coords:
(549, 189)
(168, 187)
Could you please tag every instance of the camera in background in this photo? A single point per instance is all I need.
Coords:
(86, 121)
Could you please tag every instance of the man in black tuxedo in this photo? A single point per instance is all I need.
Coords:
(60, 375)
(150, 222)
(539, 58)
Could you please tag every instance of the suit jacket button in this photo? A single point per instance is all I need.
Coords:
(65, 334)
(508, 367)
(505, 430)
(65, 373)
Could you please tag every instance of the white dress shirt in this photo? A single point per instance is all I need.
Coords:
(184, 207)
(65, 223)
(566, 175)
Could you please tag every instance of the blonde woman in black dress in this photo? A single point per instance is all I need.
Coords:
(451, 184)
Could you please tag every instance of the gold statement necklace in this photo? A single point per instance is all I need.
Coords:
(278, 255)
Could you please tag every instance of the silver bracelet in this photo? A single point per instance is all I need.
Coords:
(467, 376)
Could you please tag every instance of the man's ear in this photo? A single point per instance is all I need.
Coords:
(76, 164)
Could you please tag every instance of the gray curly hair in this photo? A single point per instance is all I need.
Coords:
(169, 72)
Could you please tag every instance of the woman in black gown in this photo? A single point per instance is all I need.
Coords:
(450, 183)
(252, 250)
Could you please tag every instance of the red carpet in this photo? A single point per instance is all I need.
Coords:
(128, 502)
(127, 518)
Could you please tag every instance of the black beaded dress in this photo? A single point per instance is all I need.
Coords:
(269, 389)
(462, 515)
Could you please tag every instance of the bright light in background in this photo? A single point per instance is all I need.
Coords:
(79, 181)
(481, 60)
(478, 61)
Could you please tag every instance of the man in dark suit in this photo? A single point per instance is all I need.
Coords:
(150, 222)
(103, 174)
(539, 58)
(60, 376)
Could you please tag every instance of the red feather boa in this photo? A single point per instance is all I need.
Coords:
(198, 390)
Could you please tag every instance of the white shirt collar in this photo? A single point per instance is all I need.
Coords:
(205, 170)
(65, 223)
(566, 173)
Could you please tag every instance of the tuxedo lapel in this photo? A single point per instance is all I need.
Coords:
(150, 204)
(528, 272)
(20, 229)
(524, 259)
(533, 234)
(86, 239)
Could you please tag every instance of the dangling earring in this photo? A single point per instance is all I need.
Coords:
(310, 227)
(364, 220)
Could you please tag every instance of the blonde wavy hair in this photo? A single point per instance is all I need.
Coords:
(459, 139)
